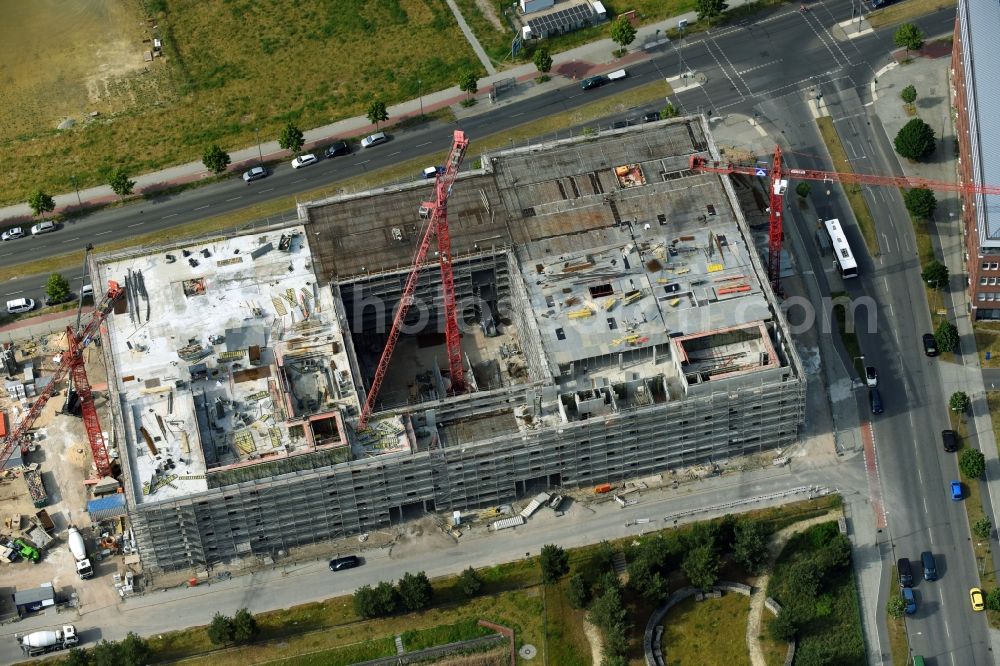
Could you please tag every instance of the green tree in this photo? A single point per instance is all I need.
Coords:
(134, 650)
(915, 140)
(622, 32)
(555, 563)
(387, 598)
(543, 59)
(57, 289)
(959, 402)
(908, 94)
(377, 113)
(415, 591)
(578, 591)
(670, 111)
(701, 566)
(750, 545)
(972, 463)
(709, 10)
(982, 529)
(935, 274)
(895, 607)
(120, 182)
(365, 602)
(291, 138)
(40, 203)
(245, 627)
(470, 582)
(784, 627)
(76, 657)
(608, 613)
(215, 159)
(468, 82)
(221, 630)
(106, 653)
(909, 37)
(803, 578)
(803, 189)
(993, 599)
(921, 203)
(946, 336)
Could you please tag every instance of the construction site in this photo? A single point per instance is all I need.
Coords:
(565, 317)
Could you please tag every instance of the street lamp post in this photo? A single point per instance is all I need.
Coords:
(420, 93)
(260, 153)
(75, 187)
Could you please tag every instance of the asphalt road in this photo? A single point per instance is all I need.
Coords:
(767, 65)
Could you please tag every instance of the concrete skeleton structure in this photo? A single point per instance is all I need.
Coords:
(616, 323)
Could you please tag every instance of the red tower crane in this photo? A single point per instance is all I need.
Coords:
(779, 176)
(437, 214)
(71, 363)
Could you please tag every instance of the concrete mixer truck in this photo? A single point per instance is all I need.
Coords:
(41, 642)
(79, 550)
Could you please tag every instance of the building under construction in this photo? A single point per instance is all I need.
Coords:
(615, 319)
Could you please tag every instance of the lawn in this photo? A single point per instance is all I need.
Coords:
(905, 11)
(707, 632)
(565, 642)
(282, 208)
(988, 340)
(847, 334)
(311, 62)
(899, 644)
(854, 195)
(774, 650)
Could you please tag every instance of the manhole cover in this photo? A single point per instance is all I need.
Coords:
(527, 651)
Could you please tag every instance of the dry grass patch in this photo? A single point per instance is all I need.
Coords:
(906, 11)
(854, 195)
(774, 650)
(707, 632)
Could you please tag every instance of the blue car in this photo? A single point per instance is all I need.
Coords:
(910, 599)
(956, 491)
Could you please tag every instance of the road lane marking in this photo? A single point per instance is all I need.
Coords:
(517, 114)
(887, 248)
(234, 198)
(14, 293)
(137, 224)
(395, 153)
(263, 191)
(103, 233)
(421, 145)
(166, 216)
(71, 240)
(203, 207)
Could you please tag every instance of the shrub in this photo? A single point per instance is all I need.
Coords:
(555, 563)
(578, 591)
(908, 94)
(920, 202)
(972, 463)
(470, 582)
(946, 336)
(895, 607)
(915, 140)
(959, 402)
(803, 189)
(982, 529)
(415, 591)
(543, 59)
(221, 630)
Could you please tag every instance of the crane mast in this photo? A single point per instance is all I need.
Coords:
(779, 176)
(71, 363)
(437, 213)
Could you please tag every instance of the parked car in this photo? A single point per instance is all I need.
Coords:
(871, 376)
(976, 597)
(956, 490)
(12, 233)
(374, 139)
(255, 173)
(593, 82)
(950, 440)
(19, 305)
(905, 572)
(432, 171)
(347, 562)
(930, 344)
(651, 117)
(930, 566)
(910, 599)
(304, 160)
(44, 227)
(875, 397)
(87, 291)
(339, 148)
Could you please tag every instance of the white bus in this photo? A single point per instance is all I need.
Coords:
(842, 254)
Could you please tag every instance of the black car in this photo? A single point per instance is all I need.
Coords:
(651, 117)
(950, 440)
(338, 149)
(347, 562)
(905, 572)
(594, 82)
(930, 344)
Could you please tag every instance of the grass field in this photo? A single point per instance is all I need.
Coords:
(707, 632)
(904, 11)
(854, 195)
(988, 340)
(310, 62)
(774, 650)
(899, 644)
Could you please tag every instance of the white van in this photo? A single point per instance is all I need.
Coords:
(87, 291)
(617, 75)
(19, 305)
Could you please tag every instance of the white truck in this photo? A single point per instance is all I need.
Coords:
(76, 546)
(41, 642)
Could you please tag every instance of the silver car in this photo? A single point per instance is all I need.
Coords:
(44, 227)
(12, 233)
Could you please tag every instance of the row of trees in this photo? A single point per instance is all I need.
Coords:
(413, 592)
(131, 651)
(41, 202)
(237, 630)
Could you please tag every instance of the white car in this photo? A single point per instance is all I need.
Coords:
(45, 227)
(303, 160)
(374, 139)
(255, 173)
(12, 233)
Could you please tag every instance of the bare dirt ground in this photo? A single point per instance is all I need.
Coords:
(65, 58)
(489, 11)
(593, 635)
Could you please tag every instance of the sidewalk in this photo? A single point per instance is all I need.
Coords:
(567, 68)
